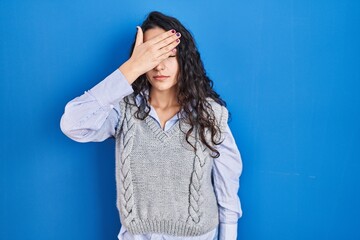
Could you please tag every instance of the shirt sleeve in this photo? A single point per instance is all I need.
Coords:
(93, 116)
(228, 231)
(227, 170)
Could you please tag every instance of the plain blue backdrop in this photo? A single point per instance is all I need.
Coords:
(288, 69)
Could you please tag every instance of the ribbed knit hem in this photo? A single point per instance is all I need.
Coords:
(166, 227)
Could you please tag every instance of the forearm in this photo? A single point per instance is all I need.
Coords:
(129, 71)
(93, 115)
(228, 231)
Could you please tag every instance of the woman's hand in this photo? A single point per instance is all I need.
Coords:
(147, 55)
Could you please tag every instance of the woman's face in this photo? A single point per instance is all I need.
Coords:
(163, 76)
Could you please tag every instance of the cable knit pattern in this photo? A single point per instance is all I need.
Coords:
(195, 197)
(163, 186)
(126, 201)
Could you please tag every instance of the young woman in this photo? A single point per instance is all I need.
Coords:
(177, 163)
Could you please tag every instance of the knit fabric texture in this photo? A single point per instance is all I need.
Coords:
(163, 185)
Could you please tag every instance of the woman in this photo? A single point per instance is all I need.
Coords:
(177, 163)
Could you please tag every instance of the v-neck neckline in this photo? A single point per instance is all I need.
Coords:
(155, 126)
(158, 131)
(155, 115)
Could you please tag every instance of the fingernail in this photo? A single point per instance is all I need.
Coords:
(178, 40)
(174, 50)
(178, 34)
(173, 31)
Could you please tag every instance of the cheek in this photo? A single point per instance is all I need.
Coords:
(174, 65)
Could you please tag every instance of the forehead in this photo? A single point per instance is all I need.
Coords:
(153, 32)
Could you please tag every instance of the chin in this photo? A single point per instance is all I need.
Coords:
(162, 88)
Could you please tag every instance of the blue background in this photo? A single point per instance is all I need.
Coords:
(289, 71)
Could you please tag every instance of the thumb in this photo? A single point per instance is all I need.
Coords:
(139, 36)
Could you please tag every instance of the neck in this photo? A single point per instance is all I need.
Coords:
(163, 99)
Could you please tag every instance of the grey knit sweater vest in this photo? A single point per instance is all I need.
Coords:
(163, 186)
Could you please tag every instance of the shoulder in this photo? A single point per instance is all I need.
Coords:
(220, 111)
(215, 105)
(128, 101)
(130, 98)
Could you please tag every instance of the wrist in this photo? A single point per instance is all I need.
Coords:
(129, 71)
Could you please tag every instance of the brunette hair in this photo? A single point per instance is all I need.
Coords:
(194, 86)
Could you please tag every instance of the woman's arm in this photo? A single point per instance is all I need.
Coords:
(226, 173)
(93, 116)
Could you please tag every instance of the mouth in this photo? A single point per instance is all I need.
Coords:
(160, 77)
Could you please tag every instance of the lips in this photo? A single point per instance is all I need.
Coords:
(160, 77)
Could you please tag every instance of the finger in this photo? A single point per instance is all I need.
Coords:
(169, 47)
(139, 36)
(161, 37)
(167, 54)
(167, 41)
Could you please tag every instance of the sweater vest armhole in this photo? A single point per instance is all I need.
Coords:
(122, 105)
(125, 108)
(221, 117)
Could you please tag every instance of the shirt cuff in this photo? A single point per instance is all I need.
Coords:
(229, 216)
(228, 231)
(112, 89)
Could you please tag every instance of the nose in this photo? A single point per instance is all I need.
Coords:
(160, 66)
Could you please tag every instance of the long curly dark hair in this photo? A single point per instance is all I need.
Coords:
(194, 86)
